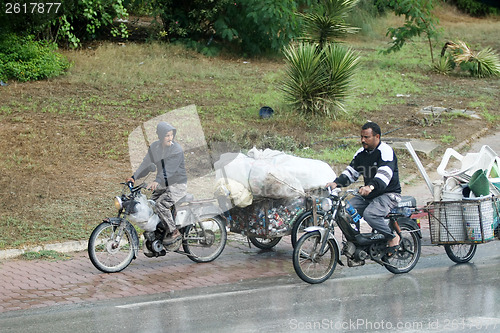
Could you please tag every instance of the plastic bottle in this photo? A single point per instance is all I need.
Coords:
(353, 212)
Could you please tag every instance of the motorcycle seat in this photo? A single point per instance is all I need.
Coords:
(407, 201)
(369, 238)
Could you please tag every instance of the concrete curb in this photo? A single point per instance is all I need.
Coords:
(65, 247)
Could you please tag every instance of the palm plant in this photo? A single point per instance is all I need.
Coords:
(485, 63)
(318, 79)
(327, 24)
(444, 65)
(480, 64)
(340, 64)
(305, 83)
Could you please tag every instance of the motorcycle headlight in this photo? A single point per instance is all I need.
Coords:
(118, 203)
(326, 204)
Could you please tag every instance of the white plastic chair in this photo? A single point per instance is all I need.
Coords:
(470, 163)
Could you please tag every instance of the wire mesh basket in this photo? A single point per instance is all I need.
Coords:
(467, 221)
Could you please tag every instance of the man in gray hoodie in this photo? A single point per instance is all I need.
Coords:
(170, 183)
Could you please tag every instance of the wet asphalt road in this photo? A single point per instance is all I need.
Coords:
(437, 296)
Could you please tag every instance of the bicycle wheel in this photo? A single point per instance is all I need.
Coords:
(108, 251)
(205, 240)
(311, 265)
(460, 253)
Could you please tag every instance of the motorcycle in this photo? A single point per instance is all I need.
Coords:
(114, 243)
(317, 252)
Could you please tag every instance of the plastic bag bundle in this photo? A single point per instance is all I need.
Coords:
(240, 196)
(272, 173)
(144, 216)
(234, 166)
(142, 210)
(270, 181)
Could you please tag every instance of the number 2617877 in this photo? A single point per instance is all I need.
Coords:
(32, 8)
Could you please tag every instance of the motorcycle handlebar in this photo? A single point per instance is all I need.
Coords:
(130, 186)
(337, 190)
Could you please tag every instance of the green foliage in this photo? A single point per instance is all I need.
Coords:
(339, 155)
(475, 7)
(444, 65)
(259, 26)
(24, 59)
(251, 26)
(485, 63)
(327, 22)
(318, 80)
(419, 20)
(87, 20)
(446, 138)
(191, 19)
(72, 22)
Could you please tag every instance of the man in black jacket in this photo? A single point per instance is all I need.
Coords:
(377, 163)
(170, 183)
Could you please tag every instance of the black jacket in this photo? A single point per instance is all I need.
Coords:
(378, 167)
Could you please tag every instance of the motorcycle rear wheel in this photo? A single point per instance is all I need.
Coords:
(406, 257)
(108, 255)
(311, 265)
(460, 253)
(205, 240)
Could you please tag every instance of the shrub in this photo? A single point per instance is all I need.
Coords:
(326, 23)
(70, 22)
(24, 59)
(484, 63)
(419, 19)
(476, 8)
(251, 26)
(259, 26)
(444, 65)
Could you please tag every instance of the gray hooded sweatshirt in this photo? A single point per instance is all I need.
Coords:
(169, 161)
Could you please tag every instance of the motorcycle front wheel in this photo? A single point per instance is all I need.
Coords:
(310, 264)
(205, 240)
(460, 253)
(108, 251)
(406, 257)
(303, 221)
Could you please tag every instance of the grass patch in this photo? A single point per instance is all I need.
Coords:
(447, 138)
(58, 220)
(338, 155)
(45, 255)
